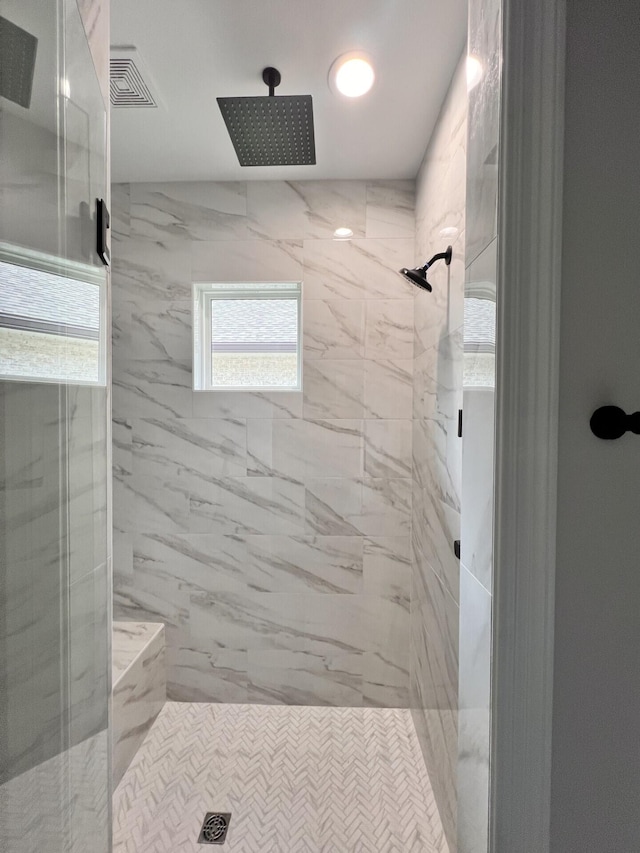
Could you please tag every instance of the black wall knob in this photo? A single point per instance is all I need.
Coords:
(610, 422)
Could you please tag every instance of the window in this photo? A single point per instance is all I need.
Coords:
(247, 336)
(51, 319)
(479, 338)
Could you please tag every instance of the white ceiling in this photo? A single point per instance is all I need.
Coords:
(197, 50)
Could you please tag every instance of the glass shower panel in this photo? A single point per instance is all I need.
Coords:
(54, 542)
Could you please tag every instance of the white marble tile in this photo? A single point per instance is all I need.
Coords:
(198, 671)
(143, 271)
(151, 595)
(387, 568)
(475, 715)
(330, 504)
(434, 628)
(297, 449)
(477, 483)
(87, 480)
(320, 624)
(299, 678)
(276, 447)
(357, 269)
(436, 449)
(387, 638)
(160, 499)
(384, 684)
(333, 448)
(159, 388)
(441, 312)
(323, 564)
(203, 210)
(250, 620)
(205, 445)
(333, 389)
(199, 540)
(194, 562)
(127, 641)
(389, 329)
(122, 553)
(246, 505)
(437, 399)
(120, 213)
(388, 389)
(241, 404)
(139, 690)
(440, 185)
(390, 209)
(333, 328)
(435, 528)
(156, 330)
(484, 128)
(247, 260)
(300, 761)
(305, 209)
(387, 448)
(348, 507)
(88, 663)
(386, 508)
(437, 732)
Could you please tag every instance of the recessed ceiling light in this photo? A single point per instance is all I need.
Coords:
(474, 72)
(342, 233)
(352, 74)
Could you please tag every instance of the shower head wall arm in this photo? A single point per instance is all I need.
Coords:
(441, 256)
(272, 77)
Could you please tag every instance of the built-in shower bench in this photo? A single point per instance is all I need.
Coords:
(139, 687)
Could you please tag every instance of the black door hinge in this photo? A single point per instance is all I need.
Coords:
(459, 423)
(456, 548)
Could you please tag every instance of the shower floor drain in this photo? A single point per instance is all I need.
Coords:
(214, 829)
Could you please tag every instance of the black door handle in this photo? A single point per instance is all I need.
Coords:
(102, 223)
(610, 422)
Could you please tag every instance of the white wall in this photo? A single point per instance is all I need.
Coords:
(596, 745)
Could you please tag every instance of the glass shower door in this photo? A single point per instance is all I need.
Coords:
(54, 525)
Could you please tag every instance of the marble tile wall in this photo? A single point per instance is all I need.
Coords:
(269, 532)
(139, 688)
(436, 479)
(476, 577)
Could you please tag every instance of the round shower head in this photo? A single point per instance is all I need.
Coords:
(417, 276)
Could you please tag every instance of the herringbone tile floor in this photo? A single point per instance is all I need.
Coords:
(296, 780)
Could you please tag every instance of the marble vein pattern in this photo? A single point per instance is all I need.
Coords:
(139, 688)
(43, 604)
(295, 779)
(436, 450)
(270, 531)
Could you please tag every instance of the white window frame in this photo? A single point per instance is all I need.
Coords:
(204, 295)
(78, 271)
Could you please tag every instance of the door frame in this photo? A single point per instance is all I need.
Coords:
(527, 382)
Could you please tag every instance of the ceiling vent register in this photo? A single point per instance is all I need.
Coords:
(128, 86)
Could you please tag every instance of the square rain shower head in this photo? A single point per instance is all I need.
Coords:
(17, 63)
(271, 131)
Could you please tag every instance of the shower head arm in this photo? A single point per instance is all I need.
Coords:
(441, 256)
(271, 76)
